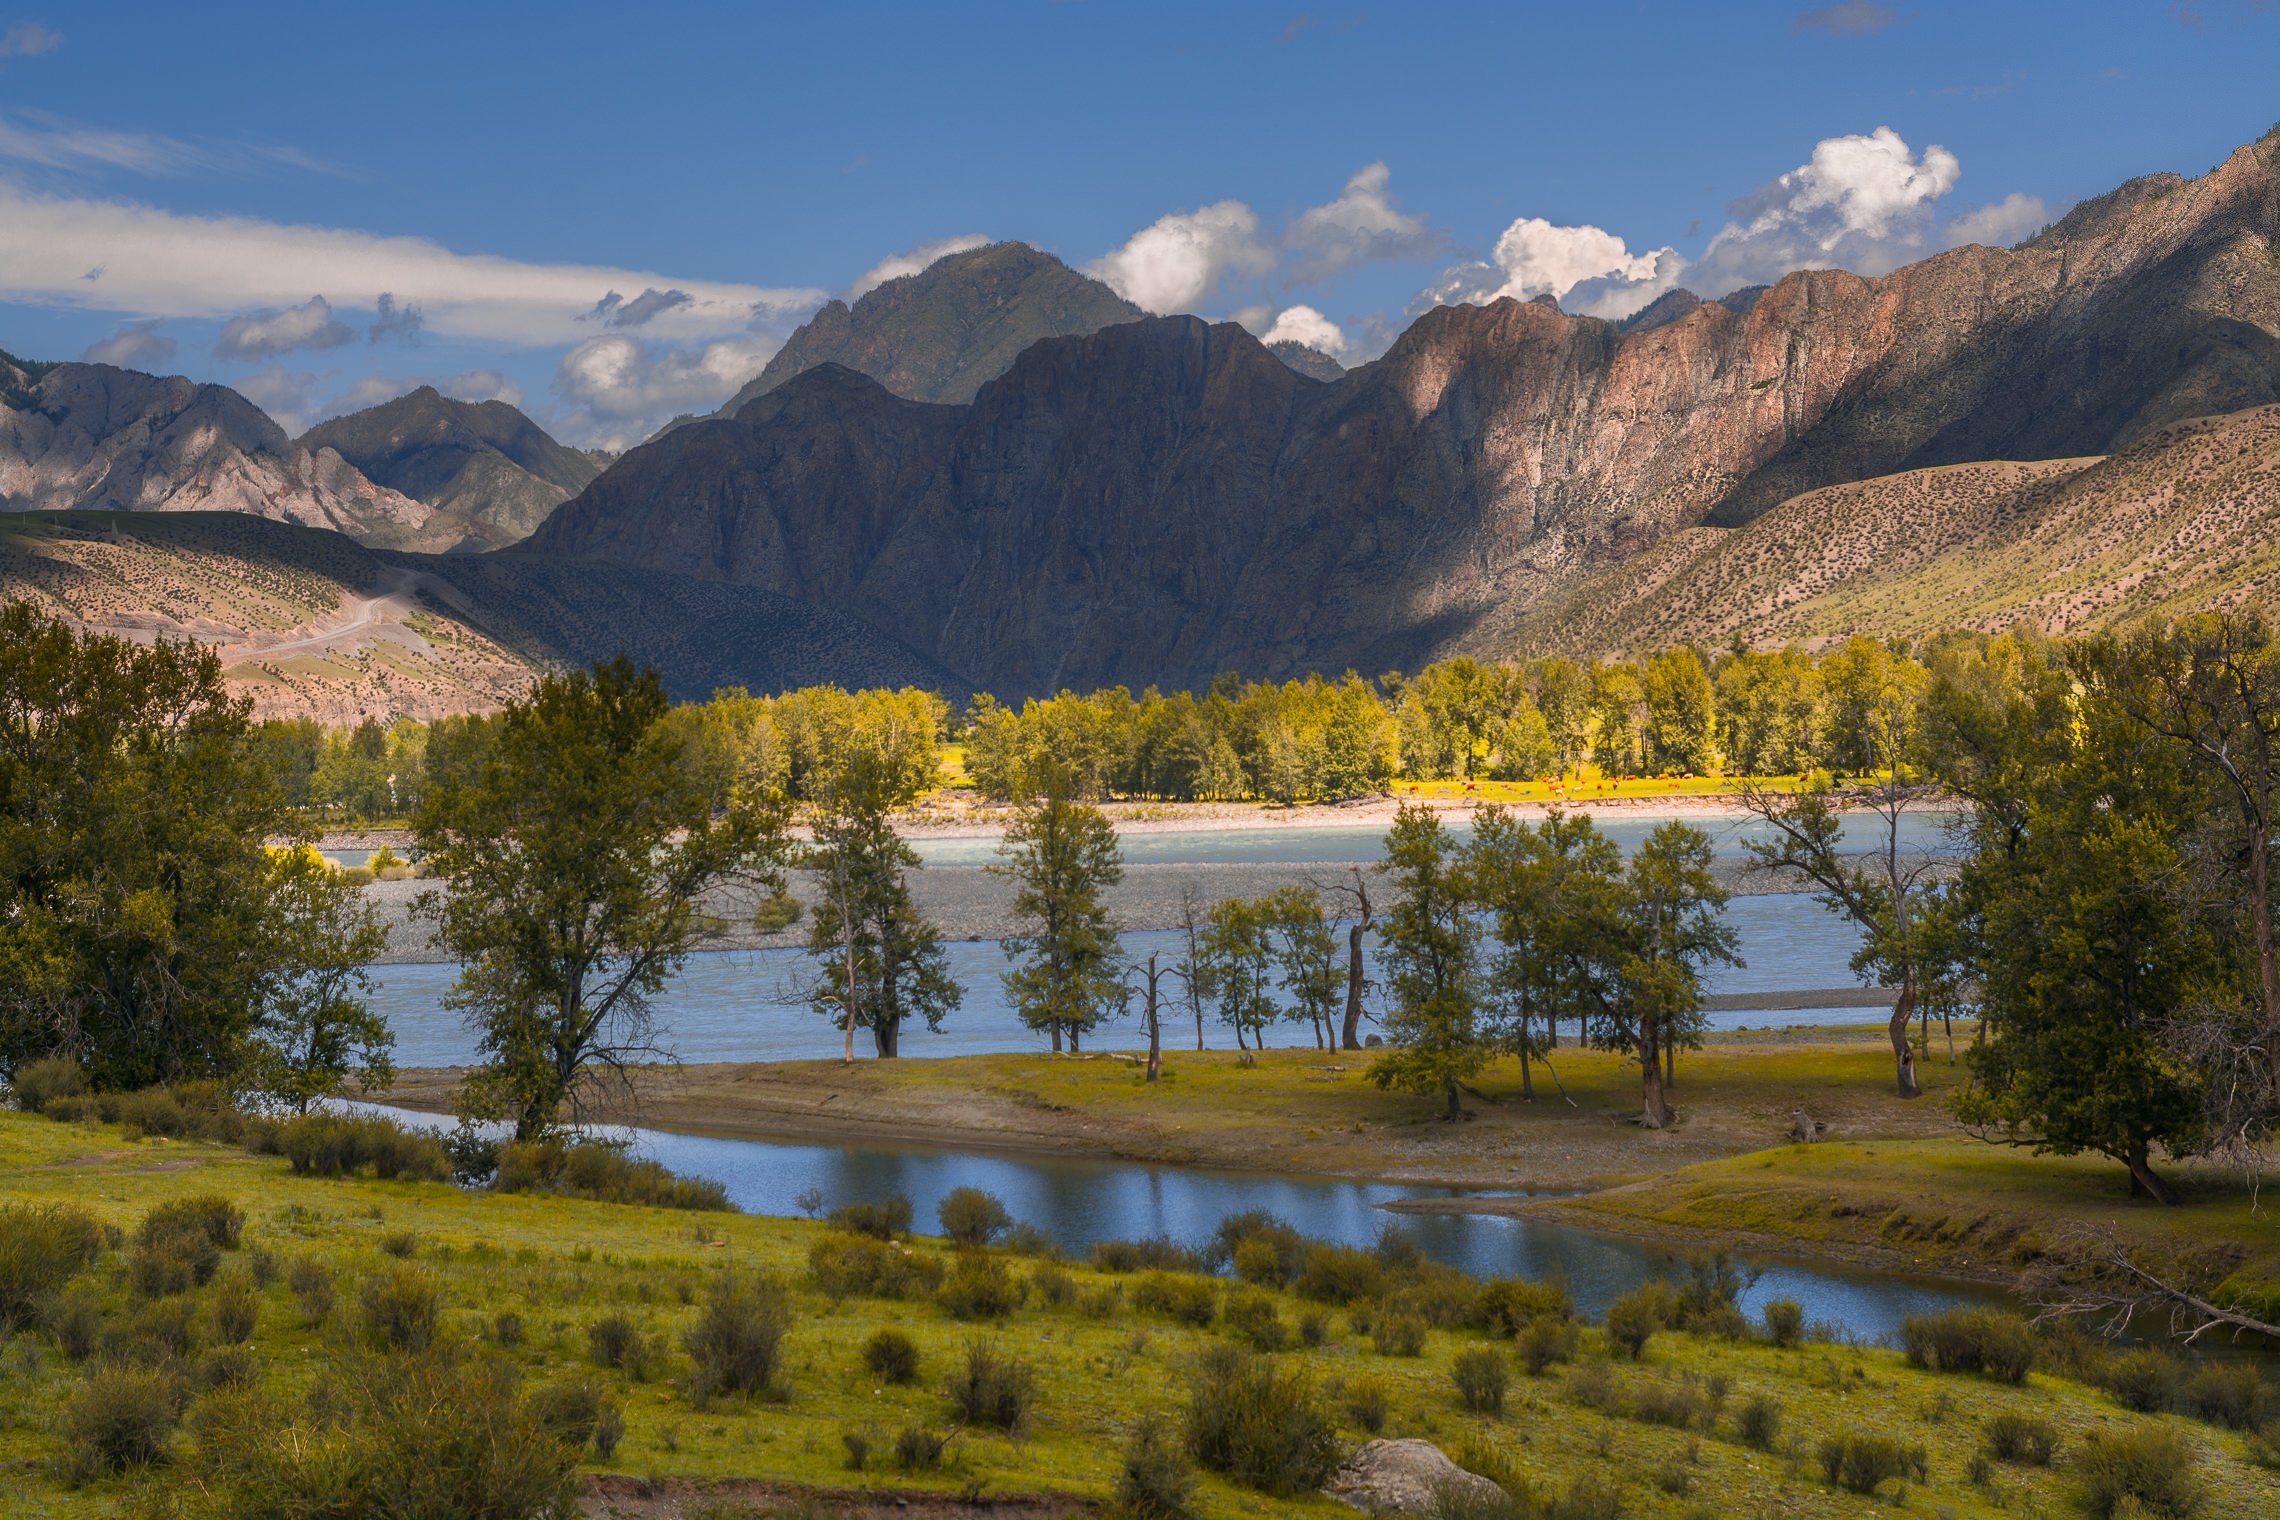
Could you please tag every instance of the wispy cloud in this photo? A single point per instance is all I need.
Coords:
(1849, 18)
(895, 265)
(29, 39)
(136, 345)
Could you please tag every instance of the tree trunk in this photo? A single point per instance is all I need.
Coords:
(1527, 1078)
(1353, 1031)
(1654, 1107)
(1055, 1027)
(2145, 1182)
(1454, 1112)
(1155, 1030)
(1670, 1063)
(1903, 1051)
(2260, 915)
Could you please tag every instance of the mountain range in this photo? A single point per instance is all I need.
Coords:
(1003, 474)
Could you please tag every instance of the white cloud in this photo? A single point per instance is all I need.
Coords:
(1179, 260)
(895, 265)
(266, 334)
(136, 345)
(29, 39)
(159, 263)
(622, 389)
(1862, 203)
(2000, 223)
(1534, 257)
(50, 142)
(285, 394)
(1362, 224)
(1308, 328)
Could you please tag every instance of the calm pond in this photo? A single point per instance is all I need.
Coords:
(1078, 1201)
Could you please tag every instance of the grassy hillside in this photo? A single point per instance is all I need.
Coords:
(521, 1282)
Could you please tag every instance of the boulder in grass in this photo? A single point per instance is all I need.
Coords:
(1405, 1478)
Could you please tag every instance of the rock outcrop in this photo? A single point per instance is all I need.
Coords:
(1408, 1477)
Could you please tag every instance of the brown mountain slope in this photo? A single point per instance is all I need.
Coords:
(939, 334)
(483, 464)
(311, 623)
(1161, 500)
(2185, 518)
(93, 437)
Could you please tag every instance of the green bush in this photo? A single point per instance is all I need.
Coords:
(2263, 1445)
(1339, 1275)
(311, 1284)
(918, 1449)
(1593, 1384)
(1587, 1497)
(2144, 1381)
(172, 1263)
(2148, 1471)
(883, 1220)
(2021, 1439)
(1655, 1401)
(575, 1409)
(1784, 1321)
(235, 1309)
(850, 1266)
(1507, 1305)
(42, 1248)
(2231, 1394)
(892, 1355)
(73, 1320)
(1860, 1462)
(980, 1287)
(1481, 1378)
(1190, 1300)
(1258, 1425)
(992, 1389)
(1368, 1401)
(1970, 1340)
(971, 1217)
(600, 1170)
(1052, 1286)
(1544, 1341)
(1758, 1422)
(217, 1219)
(737, 1341)
(1398, 1335)
(399, 1306)
(1153, 1479)
(348, 1145)
(156, 1334)
(1251, 1314)
(1633, 1319)
(1159, 1253)
(117, 1418)
(615, 1341)
(37, 1083)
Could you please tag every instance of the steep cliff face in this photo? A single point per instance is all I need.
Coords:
(90, 436)
(940, 334)
(483, 464)
(1164, 499)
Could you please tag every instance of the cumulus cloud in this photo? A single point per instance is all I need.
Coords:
(622, 389)
(894, 266)
(286, 395)
(136, 345)
(2000, 223)
(159, 263)
(1863, 203)
(1362, 224)
(1851, 18)
(1308, 328)
(614, 310)
(1534, 257)
(266, 334)
(1180, 259)
(394, 321)
(29, 39)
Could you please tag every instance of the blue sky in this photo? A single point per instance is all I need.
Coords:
(227, 191)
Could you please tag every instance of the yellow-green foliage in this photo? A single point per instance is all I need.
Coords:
(522, 1282)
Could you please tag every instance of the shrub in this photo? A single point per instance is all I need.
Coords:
(73, 1321)
(1153, 1481)
(737, 1341)
(883, 1220)
(1544, 1341)
(227, 1367)
(602, 1171)
(173, 1263)
(41, 1249)
(615, 1341)
(2021, 1439)
(918, 1449)
(1052, 1286)
(980, 1287)
(119, 1417)
(992, 1388)
(971, 1217)
(217, 1219)
(573, 1409)
(347, 1145)
(2231, 1394)
(847, 1266)
(1970, 1340)
(1658, 1402)
(1158, 1253)
(1508, 1305)
(1588, 1497)
(1339, 1275)
(235, 1310)
(1398, 1335)
(858, 1444)
(1190, 1300)
(1481, 1378)
(1258, 1425)
(506, 1329)
(2148, 1471)
(1860, 1462)
(37, 1083)
(2263, 1444)
(399, 1305)
(1367, 1401)
(1633, 1319)
(154, 1335)
(892, 1355)
(1251, 1314)
(401, 1244)
(2145, 1381)
(311, 1283)
(1759, 1422)
(1784, 1321)
(1592, 1384)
